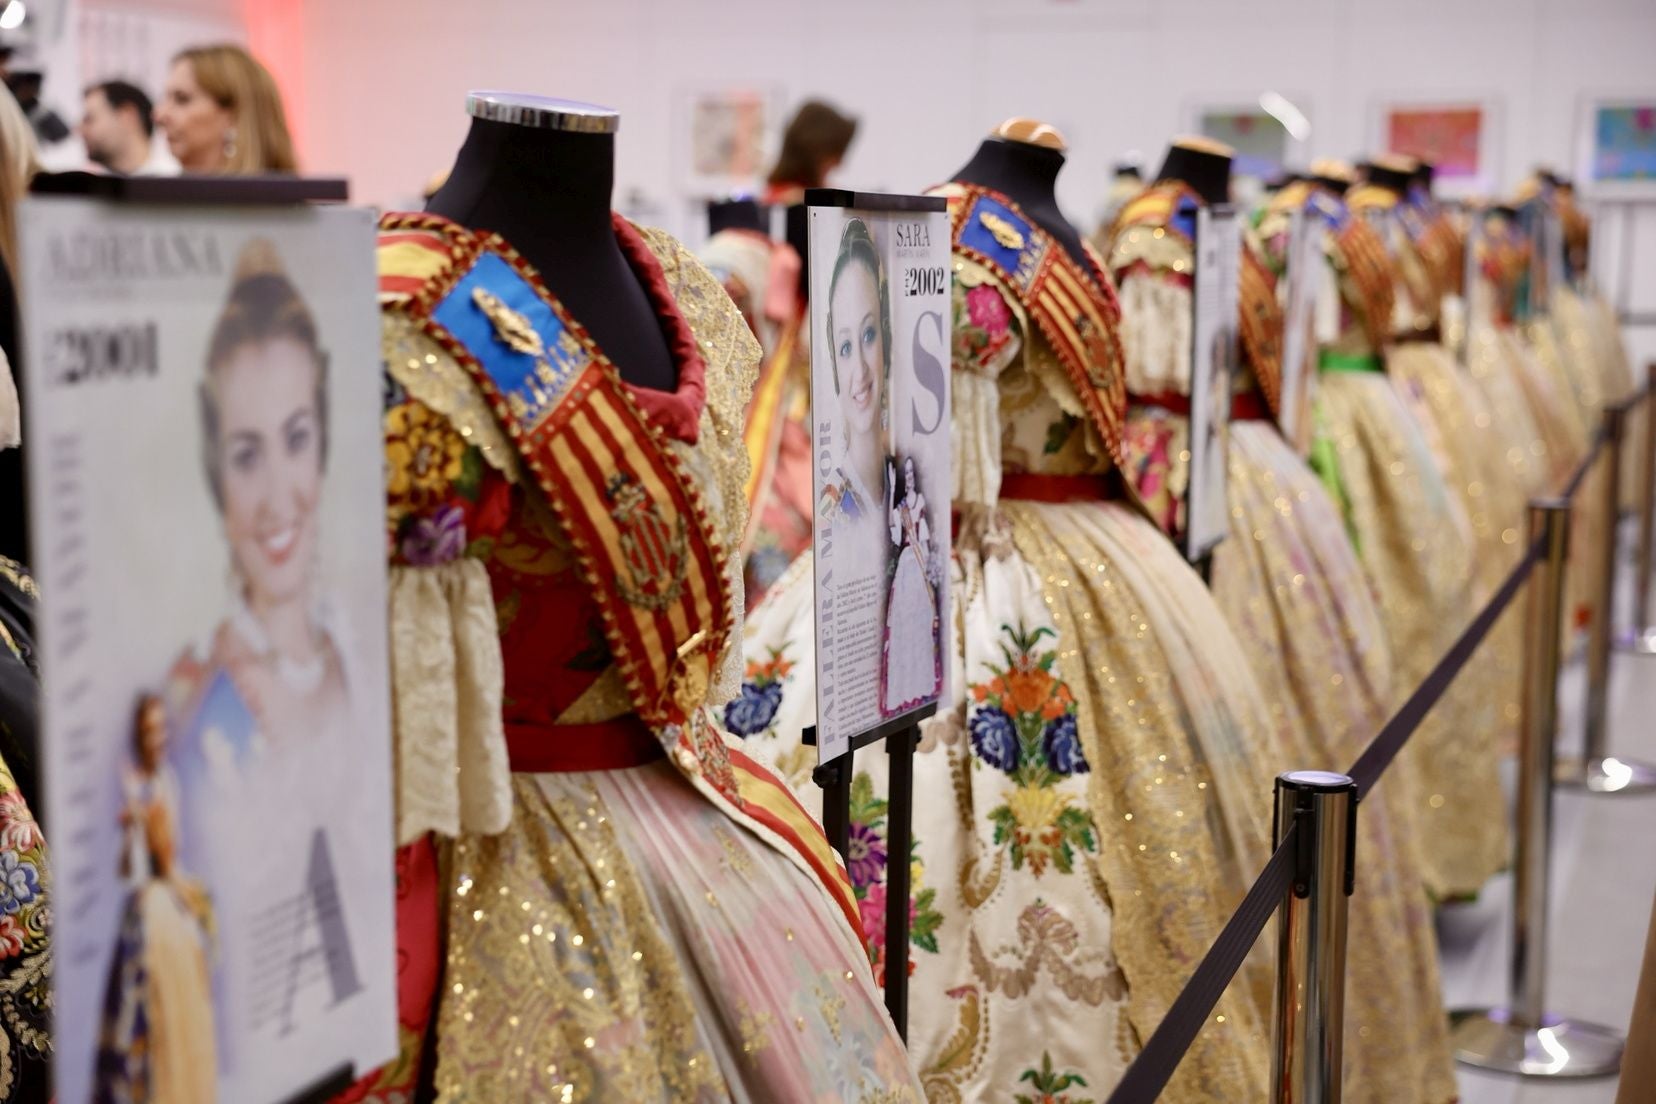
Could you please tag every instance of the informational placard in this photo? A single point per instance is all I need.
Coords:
(880, 317)
(1299, 344)
(1213, 366)
(208, 506)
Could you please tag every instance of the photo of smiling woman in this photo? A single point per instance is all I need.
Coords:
(263, 409)
(859, 341)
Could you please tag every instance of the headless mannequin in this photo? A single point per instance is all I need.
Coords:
(547, 192)
(1204, 165)
(737, 214)
(1024, 172)
(1392, 177)
(1424, 175)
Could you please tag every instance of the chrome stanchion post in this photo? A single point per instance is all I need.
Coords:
(1641, 637)
(1523, 1037)
(1311, 940)
(1595, 770)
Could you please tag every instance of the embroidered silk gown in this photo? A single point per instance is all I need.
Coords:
(762, 277)
(1291, 588)
(1459, 422)
(25, 942)
(1091, 797)
(1416, 548)
(629, 908)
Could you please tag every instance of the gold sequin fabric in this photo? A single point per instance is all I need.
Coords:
(1416, 548)
(1471, 453)
(1290, 586)
(626, 941)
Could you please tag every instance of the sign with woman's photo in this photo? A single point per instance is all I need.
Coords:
(1213, 366)
(880, 339)
(208, 507)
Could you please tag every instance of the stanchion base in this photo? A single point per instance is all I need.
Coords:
(1564, 1048)
(1637, 641)
(1606, 776)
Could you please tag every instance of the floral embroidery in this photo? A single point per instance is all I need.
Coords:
(983, 324)
(753, 710)
(18, 830)
(1023, 724)
(1148, 445)
(437, 539)
(422, 452)
(19, 882)
(442, 501)
(11, 937)
(867, 865)
(1049, 1085)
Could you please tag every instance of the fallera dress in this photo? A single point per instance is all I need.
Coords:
(1415, 544)
(1092, 796)
(1292, 590)
(602, 898)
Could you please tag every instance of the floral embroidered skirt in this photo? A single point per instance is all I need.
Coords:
(625, 940)
(1290, 585)
(1415, 545)
(1091, 801)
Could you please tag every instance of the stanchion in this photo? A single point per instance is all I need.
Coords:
(1595, 770)
(1641, 638)
(1311, 941)
(1523, 1037)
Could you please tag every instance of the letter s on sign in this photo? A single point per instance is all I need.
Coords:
(929, 372)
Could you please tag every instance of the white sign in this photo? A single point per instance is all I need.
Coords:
(1299, 345)
(208, 504)
(880, 339)
(1213, 364)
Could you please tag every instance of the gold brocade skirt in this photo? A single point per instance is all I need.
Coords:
(1472, 455)
(1291, 587)
(624, 940)
(1416, 548)
(1093, 799)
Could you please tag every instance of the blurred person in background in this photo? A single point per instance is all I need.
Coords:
(812, 147)
(118, 127)
(221, 113)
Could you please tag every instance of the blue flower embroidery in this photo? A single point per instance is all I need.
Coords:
(1062, 743)
(754, 709)
(19, 882)
(995, 739)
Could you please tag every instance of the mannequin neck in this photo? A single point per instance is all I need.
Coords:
(737, 214)
(502, 165)
(1026, 175)
(1208, 174)
(547, 192)
(1392, 180)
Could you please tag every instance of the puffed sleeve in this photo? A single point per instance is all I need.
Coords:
(987, 336)
(449, 475)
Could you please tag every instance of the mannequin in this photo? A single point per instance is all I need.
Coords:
(1020, 159)
(1336, 176)
(1392, 173)
(736, 214)
(539, 172)
(1203, 164)
(1425, 175)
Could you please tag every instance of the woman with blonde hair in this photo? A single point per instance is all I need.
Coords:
(222, 113)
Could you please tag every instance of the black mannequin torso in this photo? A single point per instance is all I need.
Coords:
(1025, 174)
(1393, 180)
(547, 192)
(1207, 172)
(1333, 184)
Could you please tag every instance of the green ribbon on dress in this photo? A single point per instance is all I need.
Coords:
(1330, 361)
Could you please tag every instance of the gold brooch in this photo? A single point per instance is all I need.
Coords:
(511, 328)
(1001, 230)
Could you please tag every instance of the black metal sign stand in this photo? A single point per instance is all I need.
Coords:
(329, 1086)
(901, 736)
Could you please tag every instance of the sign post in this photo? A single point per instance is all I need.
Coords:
(880, 318)
(205, 459)
(1212, 369)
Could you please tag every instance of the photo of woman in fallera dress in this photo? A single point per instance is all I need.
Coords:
(158, 1033)
(912, 660)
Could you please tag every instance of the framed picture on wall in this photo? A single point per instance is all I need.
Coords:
(1616, 145)
(1268, 135)
(1457, 135)
(724, 137)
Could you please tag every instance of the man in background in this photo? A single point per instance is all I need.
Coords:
(119, 129)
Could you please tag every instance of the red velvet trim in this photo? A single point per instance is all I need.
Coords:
(1246, 406)
(559, 749)
(1032, 487)
(676, 413)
